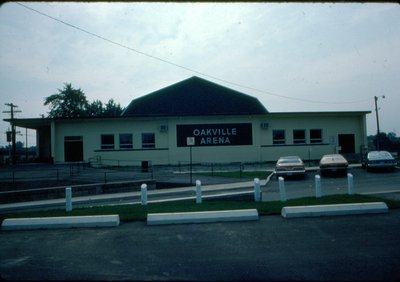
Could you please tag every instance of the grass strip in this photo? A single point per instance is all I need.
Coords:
(237, 174)
(137, 212)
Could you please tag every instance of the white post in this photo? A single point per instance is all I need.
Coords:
(198, 192)
(350, 183)
(257, 192)
(143, 190)
(318, 192)
(282, 190)
(68, 199)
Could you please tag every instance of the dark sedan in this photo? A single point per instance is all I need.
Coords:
(379, 160)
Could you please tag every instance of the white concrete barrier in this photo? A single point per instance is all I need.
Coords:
(68, 199)
(282, 190)
(198, 192)
(201, 217)
(60, 222)
(350, 184)
(318, 192)
(257, 190)
(330, 210)
(143, 194)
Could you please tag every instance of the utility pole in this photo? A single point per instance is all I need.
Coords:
(377, 121)
(13, 132)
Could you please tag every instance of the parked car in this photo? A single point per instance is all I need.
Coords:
(290, 166)
(379, 160)
(333, 163)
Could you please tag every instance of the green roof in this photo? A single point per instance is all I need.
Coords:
(194, 97)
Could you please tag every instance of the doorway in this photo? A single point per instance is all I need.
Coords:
(73, 148)
(347, 143)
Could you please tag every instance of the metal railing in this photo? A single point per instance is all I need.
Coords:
(40, 176)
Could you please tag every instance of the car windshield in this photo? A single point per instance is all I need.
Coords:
(333, 158)
(289, 161)
(381, 154)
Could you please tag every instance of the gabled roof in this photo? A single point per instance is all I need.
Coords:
(194, 97)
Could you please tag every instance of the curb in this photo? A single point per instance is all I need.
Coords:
(332, 210)
(60, 222)
(201, 217)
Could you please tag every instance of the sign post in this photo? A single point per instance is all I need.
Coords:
(190, 141)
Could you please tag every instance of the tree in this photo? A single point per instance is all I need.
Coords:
(95, 109)
(68, 102)
(112, 109)
(71, 103)
(388, 142)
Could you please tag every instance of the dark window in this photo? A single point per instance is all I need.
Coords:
(278, 137)
(299, 136)
(315, 135)
(148, 140)
(107, 142)
(125, 141)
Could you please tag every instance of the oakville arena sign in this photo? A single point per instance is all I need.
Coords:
(228, 134)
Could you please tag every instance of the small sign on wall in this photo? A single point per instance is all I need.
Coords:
(190, 141)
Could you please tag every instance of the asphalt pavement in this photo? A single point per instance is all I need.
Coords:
(341, 248)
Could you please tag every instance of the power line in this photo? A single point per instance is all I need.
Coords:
(181, 66)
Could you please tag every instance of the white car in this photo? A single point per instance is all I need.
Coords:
(333, 163)
(289, 166)
(379, 160)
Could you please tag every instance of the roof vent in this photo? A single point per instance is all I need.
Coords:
(163, 128)
(264, 125)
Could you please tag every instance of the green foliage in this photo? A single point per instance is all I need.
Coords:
(95, 108)
(388, 142)
(68, 102)
(71, 103)
(112, 109)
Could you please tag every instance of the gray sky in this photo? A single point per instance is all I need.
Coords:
(292, 57)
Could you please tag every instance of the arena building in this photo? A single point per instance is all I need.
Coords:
(220, 125)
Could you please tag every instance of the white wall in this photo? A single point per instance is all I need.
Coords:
(167, 152)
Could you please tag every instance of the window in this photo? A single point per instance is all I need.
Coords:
(315, 135)
(278, 137)
(107, 141)
(148, 140)
(299, 136)
(125, 141)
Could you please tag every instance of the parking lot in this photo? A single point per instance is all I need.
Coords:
(343, 248)
(271, 249)
(373, 183)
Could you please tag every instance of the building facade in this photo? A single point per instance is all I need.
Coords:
(219, 124)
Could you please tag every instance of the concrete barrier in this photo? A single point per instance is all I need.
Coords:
(60, 222)
(331, 210)
(201, 217)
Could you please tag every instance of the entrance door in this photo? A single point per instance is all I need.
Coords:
(73, 148)
(347, 143)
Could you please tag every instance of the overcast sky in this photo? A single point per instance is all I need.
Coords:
(292, 57)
